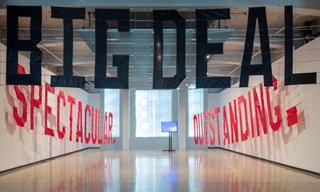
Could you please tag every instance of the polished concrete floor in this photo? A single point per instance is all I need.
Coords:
(151, 170)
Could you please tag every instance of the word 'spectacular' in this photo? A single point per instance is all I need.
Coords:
(84, 111)
(122, 61)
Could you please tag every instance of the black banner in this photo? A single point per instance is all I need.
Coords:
(293, 79)
(67, 79)
(160, 82)
(204, 48)
(120, 61)
(265, 68)
(14, 45)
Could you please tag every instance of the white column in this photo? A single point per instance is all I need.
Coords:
(182, 123)
(125, 120)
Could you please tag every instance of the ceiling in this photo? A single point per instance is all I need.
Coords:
(203, 4)
(138, 43)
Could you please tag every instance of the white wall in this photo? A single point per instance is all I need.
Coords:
(21, 145)
(296, 145)
(213, 100)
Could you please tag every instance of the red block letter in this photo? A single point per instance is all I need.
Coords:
(225, 126)
(251, 118)
(212, 128)
(105, 133)
(234, 121)
(21, 97)
(79, 123)
(20, 120)
(260, 111)
(72, 102)
(241, 99)
(217, 111)
(60, 96)
(292, 116)
(205, 125)
(200, 128)
(94, 136)
(98, 123)
(34, 103)
(48, 110)
(87, 139)
(110, 128)
(195, 128)
(274, 126)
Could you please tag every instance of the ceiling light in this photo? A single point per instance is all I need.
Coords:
(62, 38)
(210, 74)
(207, 56)
(187, 84)
(194, 39)
(112, 40)
(109, 40)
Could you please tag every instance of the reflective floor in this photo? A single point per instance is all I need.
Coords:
(152, 170)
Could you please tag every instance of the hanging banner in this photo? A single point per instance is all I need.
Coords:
(14, 45)
(119, 61)
(159, 82)
(203, 48)
(67, 14)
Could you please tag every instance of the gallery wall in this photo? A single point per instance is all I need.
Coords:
(294, 138)
(19, 145)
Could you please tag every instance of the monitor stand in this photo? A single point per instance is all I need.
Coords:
(170, 143)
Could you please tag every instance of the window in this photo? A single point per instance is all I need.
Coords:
(112, 104)
(195, 106)
(152, 108)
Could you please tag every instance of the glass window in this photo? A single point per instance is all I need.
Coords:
(112, 104)
(195, 106)
(152, 108)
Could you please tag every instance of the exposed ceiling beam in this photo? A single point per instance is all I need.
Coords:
(62, 62)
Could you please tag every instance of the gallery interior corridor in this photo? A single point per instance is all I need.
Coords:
(152, 170)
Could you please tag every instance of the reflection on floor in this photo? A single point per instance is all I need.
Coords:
(151, 170)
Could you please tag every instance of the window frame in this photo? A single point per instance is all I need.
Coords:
(137, 119)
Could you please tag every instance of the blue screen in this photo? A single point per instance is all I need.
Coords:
(169, 126)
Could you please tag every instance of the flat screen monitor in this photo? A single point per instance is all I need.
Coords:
(169, 126)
